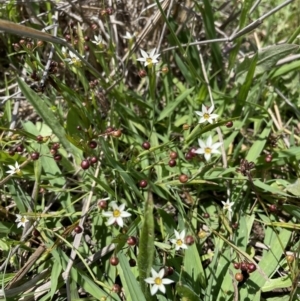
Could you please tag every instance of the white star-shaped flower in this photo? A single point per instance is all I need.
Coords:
(157, 281)
(99, 41)
(179, 240)
(128, 36)
(73, 59)
(21, 220)
(207, 148)
(149, 59)
(227, 205)
(14, 169)
(206, 114)
(117, 215)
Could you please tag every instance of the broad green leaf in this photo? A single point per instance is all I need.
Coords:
(292, 209)
(173, 105)
(277, 283)
(267, 59)
(257, 147)
(294, 188)
(130, 284)
(186, 293)
(193, 266)
(48, 116)
(55, 274)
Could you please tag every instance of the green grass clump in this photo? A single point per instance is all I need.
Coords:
(149, 152)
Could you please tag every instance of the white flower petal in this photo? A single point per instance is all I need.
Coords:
(107, 214)
(111, 221)
(199, 151)
(167, 281)
(119, 221)
(154, 289)
(162, 288)
(209, 141)
(150, 280)
(144, 54)
(207, 156)
(125, 214)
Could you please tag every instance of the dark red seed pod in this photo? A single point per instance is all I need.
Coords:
(146, 145)
(85, 164)
(237, 265)
(229, 124)
(93, 144)
(132, 262)
(189, 240)
(188, 156)
(251, 267)
(39, 138)
(235, 225)
(172, 163)
(78, 229)
(243, 266)
(142, 73)
(273, 208)
(183, 178)
(57, 157)
(20, 148)
(170, 271)
(268, 158)
(109, 129)
(36, 233)
(131, 240)
(102, 204)
(109, 10)
(53, 151)
(94, 160)
(205, 215)
(173, 155)
(34, 155)
(116, 288)
(143, 183)
(55, 145)
(11, 152)
(114, 261)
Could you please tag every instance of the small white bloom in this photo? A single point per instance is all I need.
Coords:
(64, 51)
(179, 240)
(73, 59)
(149, 59)
(14, 169)
(207, 148)
(158, 281)
(206, 114)
(21, 220)
(227, 205)
(99, 41)
(128, 36)
(116, 215)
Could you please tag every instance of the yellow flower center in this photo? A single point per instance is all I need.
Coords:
(23, 219)
(207, 150)
(179, 242)
(19, 172)
(157, 281)
(116, 213)
(206, 116)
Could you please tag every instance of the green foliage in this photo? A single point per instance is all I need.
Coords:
(121, 162)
